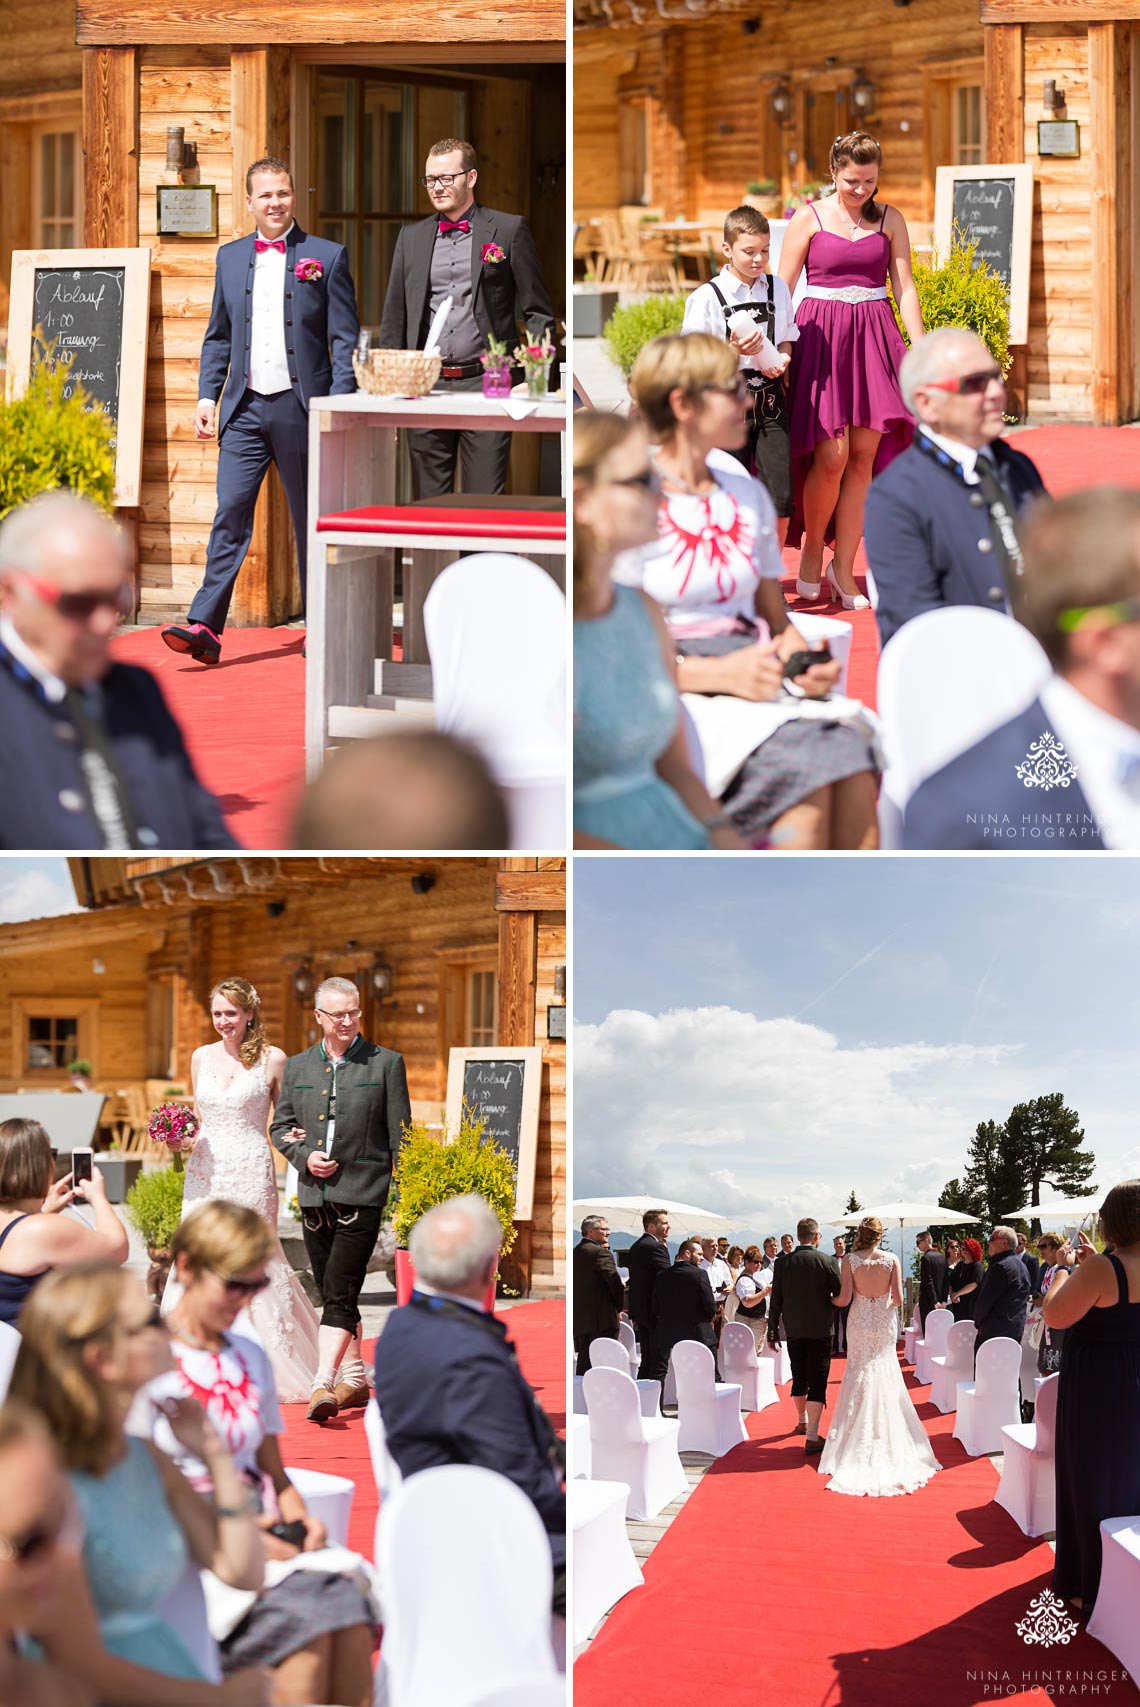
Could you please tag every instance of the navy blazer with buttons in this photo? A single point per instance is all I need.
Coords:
(321, 324)
(46, 799)
(928, 535)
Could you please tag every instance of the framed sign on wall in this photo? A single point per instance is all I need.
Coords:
(992, 205)
(94, 306)
(503, 1087)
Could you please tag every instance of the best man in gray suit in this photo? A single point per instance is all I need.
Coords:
(804, 1291)
(339, 1119)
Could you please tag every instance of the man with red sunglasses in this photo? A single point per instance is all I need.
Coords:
(90, 756)
(941, 520)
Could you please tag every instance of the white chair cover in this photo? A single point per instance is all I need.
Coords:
(1027, 1489)
(604, 1565)
(184, 1609)
(911, 1336)
(629, 1339)
(1114, 1621)
(836, 632)
(955, 1364)
(471, 1641)
(612, 1354)
(739, 1362)
(1029, 1376)
(496, 633)
(990, 1401)
(935, 1333)
(781, 1362)
(708, 1410)
(384, 1467)
(578, 1443)
(946, 679)
(327, 1497)
(579, 1409)
(9, 1346)
(526, 1692)
(627, 1447)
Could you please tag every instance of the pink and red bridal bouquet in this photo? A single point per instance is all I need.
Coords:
(175, 1126)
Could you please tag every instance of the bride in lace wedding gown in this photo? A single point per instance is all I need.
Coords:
(876, 1444)
(232, 1159)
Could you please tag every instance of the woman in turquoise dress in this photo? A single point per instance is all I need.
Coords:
(90, 1340)
(634, 783)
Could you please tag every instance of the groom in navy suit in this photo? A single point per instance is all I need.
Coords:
(283, 328)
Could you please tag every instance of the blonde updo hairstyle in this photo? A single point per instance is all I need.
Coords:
(867, 1234)
(674, 363)
(596, 437)
(69, 1310)
(242, 994)
(857, 148)
(226, 1238)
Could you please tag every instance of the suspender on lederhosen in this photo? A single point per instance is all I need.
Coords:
(763, 313)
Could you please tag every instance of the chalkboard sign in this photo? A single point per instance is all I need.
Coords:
(991, 206)
(502, 1087)
(94, 305)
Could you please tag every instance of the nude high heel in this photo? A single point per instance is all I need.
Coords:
(849, 601)
(813, 591)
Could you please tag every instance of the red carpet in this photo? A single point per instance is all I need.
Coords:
(340, 1448)
(766, 1586)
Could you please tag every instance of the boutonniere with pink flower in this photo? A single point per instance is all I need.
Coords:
(492, 254)
(309, 269)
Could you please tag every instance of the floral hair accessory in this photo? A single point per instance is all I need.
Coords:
(308, 268)
(254, 998)
(492, 254)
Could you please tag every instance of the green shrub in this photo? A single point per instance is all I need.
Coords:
(154, 1204)
(47, 441)
(963, 291)
(761, 187)
(429, 1170)
(627, 329)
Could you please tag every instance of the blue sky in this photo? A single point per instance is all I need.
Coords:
(762, 1036)
(34, 889)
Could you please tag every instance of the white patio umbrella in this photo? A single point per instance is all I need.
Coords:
(903, 1215)
(1069, 1208)
(624, 1214)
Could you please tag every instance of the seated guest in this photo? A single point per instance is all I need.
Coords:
(1098, 1401)
(1003, 1297)
(965, 1279)
(449, 1385)
(120, 777)
(599, 1295)
(939, 522)
(90, 1339)
(34, 1236)
(634, 781)
(751, 1290)
(1060, 774)
(311, 1626)
(792, 763)
(683, 1302)
(409, 789)
(1057, 1261)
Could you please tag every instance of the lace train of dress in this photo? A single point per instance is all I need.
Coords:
(875, 1444)
(232, 1160)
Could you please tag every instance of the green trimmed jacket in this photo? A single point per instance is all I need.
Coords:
(372, 1109)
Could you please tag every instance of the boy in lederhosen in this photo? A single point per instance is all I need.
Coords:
(752, 308)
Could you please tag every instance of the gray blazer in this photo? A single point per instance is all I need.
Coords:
(372, 1109)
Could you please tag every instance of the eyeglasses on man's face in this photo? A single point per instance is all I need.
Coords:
(79, 607)
(443, 179)
(966, 384)
(349, 1017)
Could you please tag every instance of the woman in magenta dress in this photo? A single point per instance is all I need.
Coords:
(848, 419)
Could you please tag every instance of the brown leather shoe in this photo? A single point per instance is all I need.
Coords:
(322, 1405)
(347, 1394)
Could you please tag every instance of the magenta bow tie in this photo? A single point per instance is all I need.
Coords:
(454, 225)
(261, 245)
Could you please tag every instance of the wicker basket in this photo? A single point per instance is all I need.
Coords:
(397, 373)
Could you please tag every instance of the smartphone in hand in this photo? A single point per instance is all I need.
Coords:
(82, 1165)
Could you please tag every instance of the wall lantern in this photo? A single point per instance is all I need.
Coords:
(380, 977)
(181, 156)
(1052, 98)
(862, 95)
(303, 983)
(560, 982)
(780, 103)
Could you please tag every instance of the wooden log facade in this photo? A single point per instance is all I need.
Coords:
(117, 75)
(136, 969)
(683, 108)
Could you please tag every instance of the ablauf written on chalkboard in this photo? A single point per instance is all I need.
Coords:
(494, 1092)
(78, 312)
(983, 211)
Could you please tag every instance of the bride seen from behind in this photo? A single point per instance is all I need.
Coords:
(236, 1083)
(876, 1444)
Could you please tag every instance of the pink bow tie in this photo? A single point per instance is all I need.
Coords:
(260, 245)
(454, 225)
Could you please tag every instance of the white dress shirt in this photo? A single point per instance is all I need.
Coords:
(268, 364)
(964, 454)
(54, 687)
(1099, 746)
(704, 313)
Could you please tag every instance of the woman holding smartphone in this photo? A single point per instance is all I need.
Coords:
(34, 1236)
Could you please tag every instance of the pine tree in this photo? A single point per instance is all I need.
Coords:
(853, 1207)
(954, 1195)
(1043, 1139)
(994, 1178)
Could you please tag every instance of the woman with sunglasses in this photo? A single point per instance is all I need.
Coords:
(792, 766)
(237, 1082)
(34, 1236)
(90, 1340)
(634, 782)
(311, 1625)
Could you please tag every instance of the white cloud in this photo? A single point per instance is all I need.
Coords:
(35, 895)
(771, 1119)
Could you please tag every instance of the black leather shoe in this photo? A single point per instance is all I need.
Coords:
(203, 647)
(812, 1447)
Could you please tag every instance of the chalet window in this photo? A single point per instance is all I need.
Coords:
(969, 139)
(633, 153)
(481, 994)
(52, 1042)
(56, 182)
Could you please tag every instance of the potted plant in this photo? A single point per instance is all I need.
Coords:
(48, 440)
(535, 361)
(432, 1167)
(79, 1072)
(496, 368)
(764, 195)
(631, 327)
(593, 304)
(154, 1205)
(961, 290)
